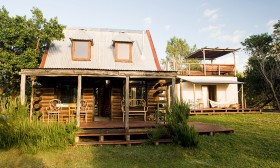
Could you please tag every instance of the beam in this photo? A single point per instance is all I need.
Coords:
(234, 59)
(194, 97)
(126, 124)
(181, 90)
(22, 88)
(79, 96)
(173, 91)
(33, 78)
(204, 66)
(242, 97)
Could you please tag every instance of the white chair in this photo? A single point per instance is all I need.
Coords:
(54, 109)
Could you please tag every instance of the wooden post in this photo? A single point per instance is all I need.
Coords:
(126, 124)
(33, 78)
(22, 88)
(168, 95)
(204, 66)
(173, 91)
(167, 66)
(242, 98)
(79, 98)
(194, 97)
(234, 59)
(181, 90)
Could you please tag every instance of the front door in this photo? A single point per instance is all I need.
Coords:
(208, 92)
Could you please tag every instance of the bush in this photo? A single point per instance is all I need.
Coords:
(159, 132)
(177, 125)
(16, 130)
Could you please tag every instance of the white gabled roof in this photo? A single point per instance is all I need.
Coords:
(102, 51)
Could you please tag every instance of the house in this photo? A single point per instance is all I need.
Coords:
(207, 86)
(104, 67)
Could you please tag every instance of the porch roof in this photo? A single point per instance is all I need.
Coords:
(97, 73)
(211, 53)
(219, 80)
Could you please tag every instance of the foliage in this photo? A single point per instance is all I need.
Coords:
(177, 49)
(177, 125)
(16, 130)
(159, 132)
(22, 44)
(263, 70)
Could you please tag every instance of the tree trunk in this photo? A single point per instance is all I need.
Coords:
(262, 67)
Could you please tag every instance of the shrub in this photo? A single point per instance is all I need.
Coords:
(159, 132)
(16, 130)
(177, 125)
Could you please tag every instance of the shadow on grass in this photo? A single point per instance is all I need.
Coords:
(14, 158)
(165, 155)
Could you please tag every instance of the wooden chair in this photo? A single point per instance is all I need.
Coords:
(83, 109)
(72, 109)
(54, 109)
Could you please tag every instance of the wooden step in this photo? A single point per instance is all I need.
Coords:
(111, 133)
(156, 142)
(115, 142)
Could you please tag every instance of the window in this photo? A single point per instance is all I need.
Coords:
(81, 50)
(137, 89)
(123, 51)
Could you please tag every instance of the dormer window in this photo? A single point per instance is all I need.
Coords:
(81, 50)
(123, 51)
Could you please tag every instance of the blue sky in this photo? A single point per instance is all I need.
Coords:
(215, 23)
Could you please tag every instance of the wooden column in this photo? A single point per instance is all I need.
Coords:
(126, 124)
(22, 88)
(79, 98)
(194, 97)
(181, 90)
(234, 59)
(168, 95)
(173, 91)
(33, 78)
(242, 97)
(204, 66)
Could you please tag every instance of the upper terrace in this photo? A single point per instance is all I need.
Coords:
(203, 64)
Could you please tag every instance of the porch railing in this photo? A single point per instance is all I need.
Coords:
(199, 69)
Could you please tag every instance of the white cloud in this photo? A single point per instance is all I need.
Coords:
(217, 32)
(167, 27)
(211, 14)
(270, 24)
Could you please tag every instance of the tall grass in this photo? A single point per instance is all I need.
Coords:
(16, 130)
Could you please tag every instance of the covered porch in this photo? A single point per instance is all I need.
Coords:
(104, 90)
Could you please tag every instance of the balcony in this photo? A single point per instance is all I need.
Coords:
(196, 69)
(200, 63)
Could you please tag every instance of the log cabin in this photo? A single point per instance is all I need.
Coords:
(102, 67)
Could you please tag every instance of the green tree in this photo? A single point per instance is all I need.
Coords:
(263, 69)
(177, 49)
(22, 44)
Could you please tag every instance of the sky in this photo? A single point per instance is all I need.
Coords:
(204, 23)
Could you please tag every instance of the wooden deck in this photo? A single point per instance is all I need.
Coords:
(209, 111)
(113, 132)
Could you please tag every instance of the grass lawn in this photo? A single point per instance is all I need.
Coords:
(255, 143)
